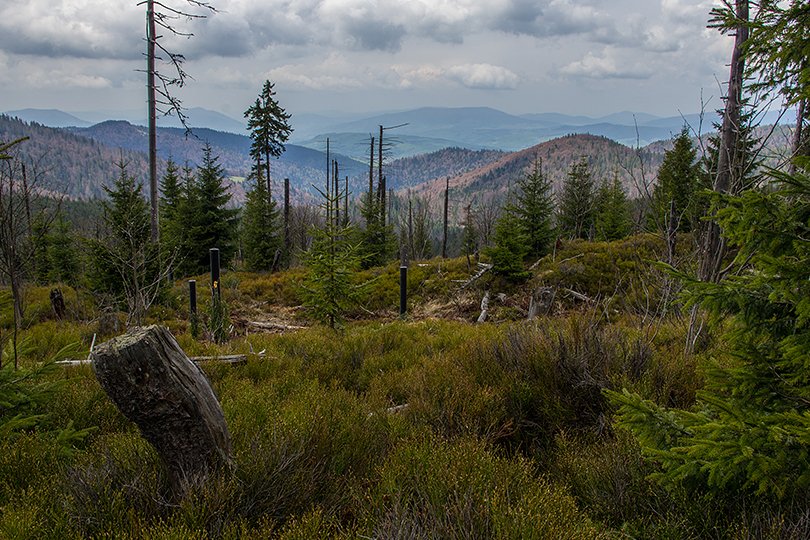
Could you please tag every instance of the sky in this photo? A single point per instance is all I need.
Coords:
(591, 57)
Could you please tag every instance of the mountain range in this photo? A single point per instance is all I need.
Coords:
(423, 130)
(78, 161)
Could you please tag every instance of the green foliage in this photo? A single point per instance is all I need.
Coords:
(125, 263)
(260, 239)
(172, 194)
(375, 240)
(510, 249)
(750, 431)
(208, 220)
(677, 183)
(533, 208)
(55, 259)
(575, 217)
(329, 288)
(613, 220)
(269, 128)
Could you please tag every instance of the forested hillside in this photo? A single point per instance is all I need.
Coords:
(605, 157)
(69, 163)
(409, 172)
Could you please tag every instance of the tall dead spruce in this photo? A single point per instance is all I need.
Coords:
(158, 84)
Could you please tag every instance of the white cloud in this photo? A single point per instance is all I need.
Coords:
(607, 66)
(484, 77)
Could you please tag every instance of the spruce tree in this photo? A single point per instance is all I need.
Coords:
(510, 249)
(329, 288)
(269, 128)
(209, 221)
(613, 221)
(375, 240)
(677, 182)
(260, 239)
(125, 260)
(575, 217)
(534, 208)
(63, 259)
(171, 220)
(749, 433)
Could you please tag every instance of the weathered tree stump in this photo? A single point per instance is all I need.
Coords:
(58, 303)
(541, 301)
(152, 381)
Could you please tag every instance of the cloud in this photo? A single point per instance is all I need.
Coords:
(546, 18)
(104, 29)
(484, 77)
(605, 67)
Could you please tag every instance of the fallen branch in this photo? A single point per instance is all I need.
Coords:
(579, 296)
(236, 359)
(273, 326)
(484, 268)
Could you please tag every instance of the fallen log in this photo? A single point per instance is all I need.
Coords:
(154, 384)
(234, 359)
(264, 325)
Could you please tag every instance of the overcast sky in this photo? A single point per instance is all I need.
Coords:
(590, 57)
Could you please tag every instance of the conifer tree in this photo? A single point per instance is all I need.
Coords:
(510, 248)
(750, 431)
(210, 222)
(677, 183)
(534, 209)
(269, 128)
(260, 238)
(171, 221)
(331, 261)
(613, 221)
(63, 260)
(125, 260)
(375, 240)
(577, 202)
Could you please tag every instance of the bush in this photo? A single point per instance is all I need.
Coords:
(430, 488)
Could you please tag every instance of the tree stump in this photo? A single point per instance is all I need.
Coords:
(58, 303)
(153, 383)
(541, 301)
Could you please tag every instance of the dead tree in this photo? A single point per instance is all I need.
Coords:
(714, 248)
(446, 210)
(158, 84)
(155, 385)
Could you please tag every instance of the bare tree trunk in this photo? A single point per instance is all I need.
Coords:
(154, 384)
(714, 247)
(446, 207)
(798, 135)
(371, 173)
(287, 239)
(150, 91)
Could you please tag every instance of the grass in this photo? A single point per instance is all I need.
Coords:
(497, 430)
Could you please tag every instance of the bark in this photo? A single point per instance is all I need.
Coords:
(541, 301)
(446, 207)
(484, 308)
(798, 135)
(287, 239)
(152, 104)
(714, 247)
(155, 385)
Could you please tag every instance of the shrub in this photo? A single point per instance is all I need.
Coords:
(430, 488)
